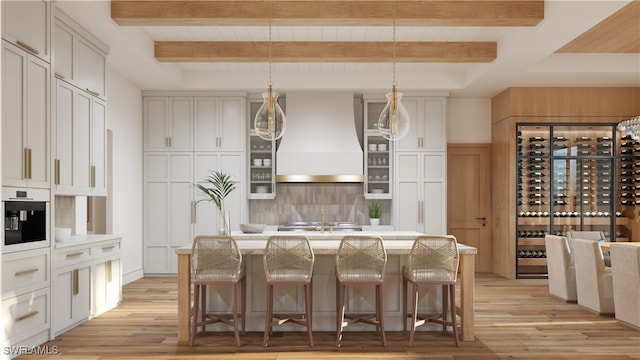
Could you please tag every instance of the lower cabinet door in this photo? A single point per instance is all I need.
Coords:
(71, 297)
(25, 315)
(107, 280)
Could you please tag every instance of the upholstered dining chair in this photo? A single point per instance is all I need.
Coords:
(216, 261)
(560, 269)
(433, 260)
(593, 280)
(288, 260)
(625, 268)
(587, 235)
(360, 260)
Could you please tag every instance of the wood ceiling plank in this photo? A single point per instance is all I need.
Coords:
(406, 52)
(619, 33)
(328, 13)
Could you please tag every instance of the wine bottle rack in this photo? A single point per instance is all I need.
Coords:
(571, 177)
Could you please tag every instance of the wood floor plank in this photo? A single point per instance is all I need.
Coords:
(515, 319)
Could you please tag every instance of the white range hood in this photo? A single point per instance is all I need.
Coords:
(320, 143)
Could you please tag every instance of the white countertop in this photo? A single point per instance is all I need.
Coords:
(85, 239)
(395, 242)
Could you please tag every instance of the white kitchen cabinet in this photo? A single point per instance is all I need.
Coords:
(219, 123)
(87, 280)
(420, 203)
(106, 277)
(27, 24)
(427, 132)
(207, 219)
(26, 320)
(79, 162)
(71, 297)
(79, 57)
(261, 157)
(25, 118)
(25, 271)
(378, 154)
(168, 123)
(168, 208)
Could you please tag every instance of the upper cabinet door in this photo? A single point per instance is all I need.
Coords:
(206, 123)
(180, 131)
(79, 57)
(25, 118)
(27, 24)
(427, 132)
(232, 122)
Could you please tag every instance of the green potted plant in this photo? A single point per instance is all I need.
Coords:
(374, 214)
(218, 185)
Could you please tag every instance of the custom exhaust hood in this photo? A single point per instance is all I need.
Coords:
(320, 143)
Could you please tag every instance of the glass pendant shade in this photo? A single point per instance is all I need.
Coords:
(270, 121)
(393, 122)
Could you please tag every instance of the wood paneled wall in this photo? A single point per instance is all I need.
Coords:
(539, 105)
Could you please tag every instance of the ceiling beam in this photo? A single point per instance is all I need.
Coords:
(406, 52)
(328, 13)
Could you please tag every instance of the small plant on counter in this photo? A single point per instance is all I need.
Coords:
(218, 186)
(374, 214)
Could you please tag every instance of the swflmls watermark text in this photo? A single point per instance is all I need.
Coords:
(31, 350)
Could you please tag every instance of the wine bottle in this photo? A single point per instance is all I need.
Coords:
(559, 138)
(536, 138)
(627, 144)
(559, 202)
(604, 146)
(584, 145)
(603, 138)
(626, 151)
(536, 181)
(533, 146)
(560, 196)
(535, 196)
(536, 188)
(583, 138)
(536, 153)
(536, 167)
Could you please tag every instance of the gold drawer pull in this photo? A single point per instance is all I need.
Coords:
(108, 248)
(92, 92)
(75, 254)
(26, 272)
(27, 47)
(29, 315)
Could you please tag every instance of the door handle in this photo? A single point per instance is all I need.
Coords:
(481, 218)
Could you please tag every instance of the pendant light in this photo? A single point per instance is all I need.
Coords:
(394, 121)
(270, 122)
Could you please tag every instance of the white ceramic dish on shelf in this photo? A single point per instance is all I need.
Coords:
(252, 228)
(61, 234)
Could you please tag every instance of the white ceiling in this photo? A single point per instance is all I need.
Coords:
(525, 55)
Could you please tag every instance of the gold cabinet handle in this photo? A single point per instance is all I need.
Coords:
(92, 92)
(75, 286)
(75, 254)
(26, 272)
(26, 316)
(58, 75)
(25, 163)
(93, 176)
(56, 169)
(108, 248)
(27, 47)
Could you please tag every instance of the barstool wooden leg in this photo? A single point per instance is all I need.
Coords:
(234, 299)
(243, 300)
(404, 305)
(452, 297)
(445, 305)
(269, 315)
(194, 313)
(308, 311)
(339, 311)
(380, 315)
(414, 312)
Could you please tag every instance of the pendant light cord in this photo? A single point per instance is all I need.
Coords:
(393, 46)
(270, 12)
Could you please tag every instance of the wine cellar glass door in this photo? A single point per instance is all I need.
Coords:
(566, 177)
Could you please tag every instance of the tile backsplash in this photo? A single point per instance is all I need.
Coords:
(342, 202)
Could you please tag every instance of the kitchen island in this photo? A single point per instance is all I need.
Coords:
(325, 244)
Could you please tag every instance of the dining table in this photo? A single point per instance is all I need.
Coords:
(397, 244)
(606, 245)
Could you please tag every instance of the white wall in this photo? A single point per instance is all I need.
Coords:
(124, 119)
(468, 120)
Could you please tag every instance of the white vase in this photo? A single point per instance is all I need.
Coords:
(374, 221)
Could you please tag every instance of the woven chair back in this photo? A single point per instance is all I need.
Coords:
(288, 258)
(361, 258)
(434, 258)
(215, 258)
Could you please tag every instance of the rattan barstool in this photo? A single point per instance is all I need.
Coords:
(215, 260)
(360, 260)
(288, 260)
(433, 260)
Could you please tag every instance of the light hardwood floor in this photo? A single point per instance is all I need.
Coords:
(515, 319)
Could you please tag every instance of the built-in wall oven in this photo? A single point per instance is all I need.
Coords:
(26, 218)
